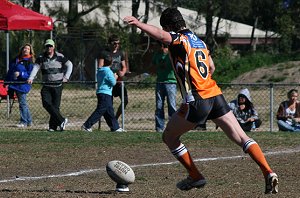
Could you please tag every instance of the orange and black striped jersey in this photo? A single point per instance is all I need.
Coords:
(190, 58)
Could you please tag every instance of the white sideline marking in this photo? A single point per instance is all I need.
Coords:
(140, 165)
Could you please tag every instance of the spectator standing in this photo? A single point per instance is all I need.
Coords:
(244, 111)
(118, 66)
(56, 70)
(106, 79)
(165, 86)
(288, 114)
(202, 99)
(19, 71)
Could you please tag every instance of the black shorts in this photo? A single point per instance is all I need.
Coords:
(204, 109)
(117, 91)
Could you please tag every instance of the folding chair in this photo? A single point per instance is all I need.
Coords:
(4, 93)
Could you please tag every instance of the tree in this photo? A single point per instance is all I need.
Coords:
(291, 10)
(209, 38)
(135, 9)
(36, 5)
(79, 38)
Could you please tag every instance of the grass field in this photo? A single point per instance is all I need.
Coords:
(72, 164)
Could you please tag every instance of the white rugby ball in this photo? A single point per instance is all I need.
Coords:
(120, 172)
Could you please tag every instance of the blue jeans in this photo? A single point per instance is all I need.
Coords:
(25, 115)
(283, 126)
(164, 90)
(104, 108)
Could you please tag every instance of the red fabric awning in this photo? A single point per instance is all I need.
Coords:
(15, 17)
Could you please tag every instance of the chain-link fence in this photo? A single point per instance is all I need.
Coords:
(79, 101)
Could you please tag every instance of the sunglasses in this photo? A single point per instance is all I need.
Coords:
(116, 43)
(49, 46)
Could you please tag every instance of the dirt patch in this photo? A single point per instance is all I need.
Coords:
(280, 73)
(155, 175)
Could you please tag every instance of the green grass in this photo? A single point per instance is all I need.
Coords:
(78, 139)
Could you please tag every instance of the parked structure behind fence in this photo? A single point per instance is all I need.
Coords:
(79, 101)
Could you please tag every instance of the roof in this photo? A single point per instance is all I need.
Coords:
(15, 17)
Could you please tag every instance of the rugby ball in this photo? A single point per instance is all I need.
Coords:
(120, 172)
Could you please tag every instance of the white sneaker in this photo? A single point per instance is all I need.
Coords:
(64, 124)
(21, 125)
(189, 183)
(271, 184)
(122, 188)
(120, 130)
(84, 128)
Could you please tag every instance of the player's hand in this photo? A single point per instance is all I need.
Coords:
(131, 20)
(121, 73)
(65, 80)
(116, 75)
(250, 120)
(16, 74)
(29, 81)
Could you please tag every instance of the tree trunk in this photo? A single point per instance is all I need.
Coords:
(73, 12)
(146, 16)
(135, 8)
(174, 4)
(22, 2)
(217, 26)
(209, 22)
(36, 5)
(253, 44)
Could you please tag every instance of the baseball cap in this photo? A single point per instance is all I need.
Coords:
(49, 42)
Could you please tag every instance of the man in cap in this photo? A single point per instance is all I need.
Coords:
(56, 69)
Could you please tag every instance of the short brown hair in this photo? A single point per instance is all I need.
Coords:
(291, 92)
(113, 37)
(172, 18)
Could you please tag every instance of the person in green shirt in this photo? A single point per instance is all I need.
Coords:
(165, 86)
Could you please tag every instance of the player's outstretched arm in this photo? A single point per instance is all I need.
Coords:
(151, 30)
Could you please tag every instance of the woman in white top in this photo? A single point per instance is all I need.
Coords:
(288, 114)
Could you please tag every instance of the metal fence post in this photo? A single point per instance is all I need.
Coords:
(96, 67)
(271, 105)
(96, 86)
(122, 101)
(7, 68)
(7, 106)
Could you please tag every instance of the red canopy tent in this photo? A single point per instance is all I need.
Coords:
(16, 17)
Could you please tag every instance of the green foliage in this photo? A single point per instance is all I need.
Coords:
(150, 79)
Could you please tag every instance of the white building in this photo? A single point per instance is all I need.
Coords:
(239, 33)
